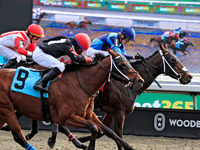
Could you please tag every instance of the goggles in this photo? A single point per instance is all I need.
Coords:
(36, 38)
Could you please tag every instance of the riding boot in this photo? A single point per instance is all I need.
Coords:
(41, 84)
(10, 63)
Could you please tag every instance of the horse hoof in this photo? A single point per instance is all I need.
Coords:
(27, 137)
(5, 128)
(51, 143)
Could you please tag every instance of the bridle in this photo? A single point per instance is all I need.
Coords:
(176, 74)
(120, 76)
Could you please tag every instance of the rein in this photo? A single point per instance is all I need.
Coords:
(177, 76)
(110, 72)
(82, 86)
(118, 76)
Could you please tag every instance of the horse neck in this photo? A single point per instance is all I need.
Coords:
(155, 60)
(92, 78)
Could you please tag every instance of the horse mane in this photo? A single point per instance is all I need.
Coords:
(72, 67)
(136, 63)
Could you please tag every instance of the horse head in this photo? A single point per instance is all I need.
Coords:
(172, 66)
(123, 71)
(88, 21)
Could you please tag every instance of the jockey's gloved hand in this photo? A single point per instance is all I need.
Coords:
(138, 56)
(76, 62)
(29, 58)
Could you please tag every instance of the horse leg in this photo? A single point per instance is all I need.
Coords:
(38, 21)
(108, 132)
(66, 131)
(119, 118)
(52, 140)
(6, 127)
(78, 122)
(107, 120)
(34, 130)
(15, 128)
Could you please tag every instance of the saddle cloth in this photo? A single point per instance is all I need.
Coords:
(24, 80)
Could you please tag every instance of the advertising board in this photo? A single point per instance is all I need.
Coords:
(167, 9)
(142, 8)
(94, 5)
(168, 101)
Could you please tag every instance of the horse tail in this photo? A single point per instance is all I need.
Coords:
(152, 39)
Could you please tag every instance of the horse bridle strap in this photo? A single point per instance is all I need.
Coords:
(82, 86)
(164, 68)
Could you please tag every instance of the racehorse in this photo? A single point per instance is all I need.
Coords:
(40, 17)
(118, 101)
(159, 40)
(83, 24)
(118, 105)
(184, 33)
(182, 47)
(67, 108)
(169, 41)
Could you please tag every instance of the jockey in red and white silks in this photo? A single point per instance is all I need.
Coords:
(16, 45)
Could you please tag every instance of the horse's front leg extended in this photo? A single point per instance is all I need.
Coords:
(107, 120)
(78, 122)
(17, 132)
(71, 137)
(107, 131)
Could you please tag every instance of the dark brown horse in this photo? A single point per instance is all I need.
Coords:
(120, 104)
(40, 17)
(182, 48)
(118, 101)
(83, 24)
(67, 108)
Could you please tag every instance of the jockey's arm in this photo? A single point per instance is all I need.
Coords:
(19, 45)
(121, 51)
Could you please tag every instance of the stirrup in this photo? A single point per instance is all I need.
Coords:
(41, 89)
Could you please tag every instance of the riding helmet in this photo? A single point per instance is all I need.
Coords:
(129, 33)
(35, 30)
(83, 41)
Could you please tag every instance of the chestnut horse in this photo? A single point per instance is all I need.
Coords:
(169, 41)
(118, 101)
(67, 108)
(83, 24)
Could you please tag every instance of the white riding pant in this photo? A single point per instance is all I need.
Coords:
(11, 54)
(91, 52)
(47, 60)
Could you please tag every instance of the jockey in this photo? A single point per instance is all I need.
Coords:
(181, 42)
(177, 30)
(49, 52)
(113, 41)
(169, 36)
(38, 12)
(81, 18)
(14, 44)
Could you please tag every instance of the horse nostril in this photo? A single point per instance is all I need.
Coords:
(189, 77)
(140, 81)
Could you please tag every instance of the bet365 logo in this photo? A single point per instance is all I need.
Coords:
(159, 122)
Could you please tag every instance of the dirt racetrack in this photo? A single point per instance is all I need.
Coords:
(137, 142)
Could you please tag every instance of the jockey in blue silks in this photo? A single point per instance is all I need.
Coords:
(113, 41)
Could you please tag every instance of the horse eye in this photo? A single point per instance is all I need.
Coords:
(123, 65)
(173, 60)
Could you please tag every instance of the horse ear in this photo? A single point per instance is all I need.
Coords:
(164, 47)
